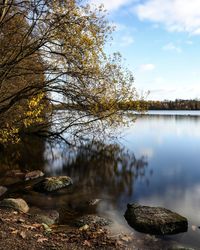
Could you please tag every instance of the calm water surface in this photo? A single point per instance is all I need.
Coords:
(156, 163)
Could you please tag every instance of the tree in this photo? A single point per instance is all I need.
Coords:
(53, 53)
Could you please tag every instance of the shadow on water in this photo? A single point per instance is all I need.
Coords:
(28, 155)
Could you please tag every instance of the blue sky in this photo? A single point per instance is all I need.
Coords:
(160, 40)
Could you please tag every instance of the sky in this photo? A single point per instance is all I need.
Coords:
(160, 41)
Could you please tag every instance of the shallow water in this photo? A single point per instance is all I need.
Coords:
(156, 162)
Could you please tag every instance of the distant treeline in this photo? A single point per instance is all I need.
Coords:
(142, 105)
(178, 104)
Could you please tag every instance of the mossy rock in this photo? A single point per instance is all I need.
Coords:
(155, 220)
(50, 184)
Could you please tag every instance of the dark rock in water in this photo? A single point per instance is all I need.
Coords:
(155, 220)
(85, 206)
(92, 219)
(8, 181)
(12, 177)
(93, 202)
(17, 204)
(50, 184)
(33, 175)
(17, 173)
(3, 190)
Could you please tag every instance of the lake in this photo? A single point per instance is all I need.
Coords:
(156, 162)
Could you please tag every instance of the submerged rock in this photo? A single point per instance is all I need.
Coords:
(155, 220)
(93, 202)
(50, 184)
(33, 175)
(180, 248)
(92, 219)
(3, 190)
(11, 177)
(48, 217)
(17, 204)
(15, 173)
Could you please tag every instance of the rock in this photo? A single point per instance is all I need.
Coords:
(12, 177)
(50, 184)
(82, 206)
(180, 248)
(94, 202)
(33, 175)
(15, 173)
(17, 204)
(3, 190)
(155, 220)
(92, 219)
(48, 217)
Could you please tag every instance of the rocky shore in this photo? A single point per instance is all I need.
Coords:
(24, 226)
(22, 231)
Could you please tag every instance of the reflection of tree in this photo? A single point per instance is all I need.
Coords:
(105, 169)
(98, 170)
(27, 155)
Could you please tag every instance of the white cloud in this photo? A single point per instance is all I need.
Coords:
(126, 41)
(111, 5)
(147, 67)
(172, 47)
(176, 15)
(171, 93)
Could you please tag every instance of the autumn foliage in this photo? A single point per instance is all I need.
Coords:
(52, 53)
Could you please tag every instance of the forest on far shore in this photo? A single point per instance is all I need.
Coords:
(177, 104)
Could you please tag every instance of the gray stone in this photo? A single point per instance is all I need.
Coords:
(17, 204)
(155, 220)
(92, 219)
(50, 184)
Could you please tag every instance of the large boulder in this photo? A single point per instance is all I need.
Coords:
(50, 184)
(17, 204)
(155, 220)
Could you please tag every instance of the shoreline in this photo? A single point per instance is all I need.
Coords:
(20, 231)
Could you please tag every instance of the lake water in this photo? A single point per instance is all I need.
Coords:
(156, 162)
(170, 142)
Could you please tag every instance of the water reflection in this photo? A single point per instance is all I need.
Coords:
(110, 170)
(99, 171)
